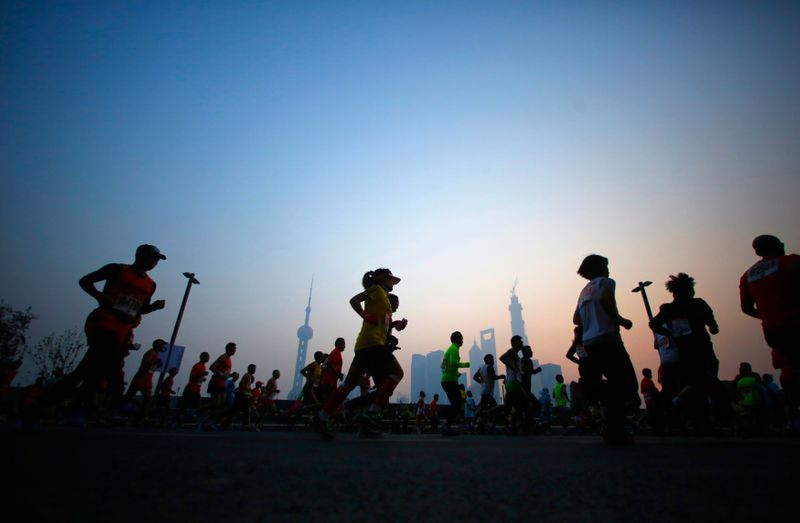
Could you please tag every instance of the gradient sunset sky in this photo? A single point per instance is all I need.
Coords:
(461, 144)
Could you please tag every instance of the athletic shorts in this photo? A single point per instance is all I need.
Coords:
(216, 388)
(374, 361)
(190, 399)
(513, 386)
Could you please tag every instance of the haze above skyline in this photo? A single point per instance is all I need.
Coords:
(462, 145)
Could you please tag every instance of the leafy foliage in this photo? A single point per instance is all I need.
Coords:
(58, 351)
(13, 332)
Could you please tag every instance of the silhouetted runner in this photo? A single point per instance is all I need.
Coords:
(142, 381)
(770, 291)
(197, 375)
(450, 373)
(220, 372)
(599, 320)
(125, 297)
(244, 395)
(686, 319)
(331, 370)
(517, 405)
(527, 370)
(486, 376)
(372, 355)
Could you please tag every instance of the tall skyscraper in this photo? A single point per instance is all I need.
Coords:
(475, 363)
(548, 375)
(417, 376)
(517, 323)
(304, 334)
(433, 375)
(536, 379)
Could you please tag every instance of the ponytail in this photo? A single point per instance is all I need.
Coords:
(368, 280)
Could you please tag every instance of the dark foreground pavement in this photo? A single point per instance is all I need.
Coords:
(143, 475)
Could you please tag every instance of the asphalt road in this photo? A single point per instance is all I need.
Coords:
(144, 475)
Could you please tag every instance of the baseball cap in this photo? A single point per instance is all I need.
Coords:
(387, 274)
(147, 249)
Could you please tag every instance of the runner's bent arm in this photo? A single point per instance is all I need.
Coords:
(148, 307)
(709, 319)
(609, 304)
(747, 303)
(355, 303)
(87, 283)
(570, 355)
(658, 321)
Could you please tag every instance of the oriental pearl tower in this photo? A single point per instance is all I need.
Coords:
(304, 334)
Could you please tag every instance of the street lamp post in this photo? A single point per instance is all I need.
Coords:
(192, 281)
(640, 288)
(663, 343)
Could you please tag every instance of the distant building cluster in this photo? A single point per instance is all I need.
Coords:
(426, 368)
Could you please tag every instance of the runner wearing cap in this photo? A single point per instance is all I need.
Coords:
(125, 298)
(372, 355)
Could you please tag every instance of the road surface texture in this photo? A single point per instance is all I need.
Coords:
(143, 475)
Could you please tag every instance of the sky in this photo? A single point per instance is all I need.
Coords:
(464, 145)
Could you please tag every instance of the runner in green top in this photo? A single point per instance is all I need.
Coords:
(561, 410)
(450, 373)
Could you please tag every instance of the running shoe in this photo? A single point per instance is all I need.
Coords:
(370, 419)
(322, 428)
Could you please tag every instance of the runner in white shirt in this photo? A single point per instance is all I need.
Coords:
(599, 321)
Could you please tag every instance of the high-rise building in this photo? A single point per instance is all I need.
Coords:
(517, 323)
(548, 375)
(475, 363)
(417, 376)
(304, 334)
(433, 375)
(536, 380)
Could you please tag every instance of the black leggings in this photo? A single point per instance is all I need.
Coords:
(610, 361)
(453, 394)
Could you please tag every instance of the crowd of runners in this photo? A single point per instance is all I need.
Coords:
(605, 399)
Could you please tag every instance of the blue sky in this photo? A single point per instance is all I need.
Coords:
(461, 144)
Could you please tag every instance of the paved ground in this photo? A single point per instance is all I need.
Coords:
(143, 475)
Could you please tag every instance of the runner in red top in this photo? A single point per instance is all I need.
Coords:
(769, 291)
(190, 400)
(652, 401)
(331, 370)
(244, 395)
(270, 393)
(143, 379)
(220, 371)
(125, 298)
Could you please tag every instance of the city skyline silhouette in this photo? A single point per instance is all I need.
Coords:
(461, 147)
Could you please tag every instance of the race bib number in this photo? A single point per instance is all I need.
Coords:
(128, 305)
(680, 327)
